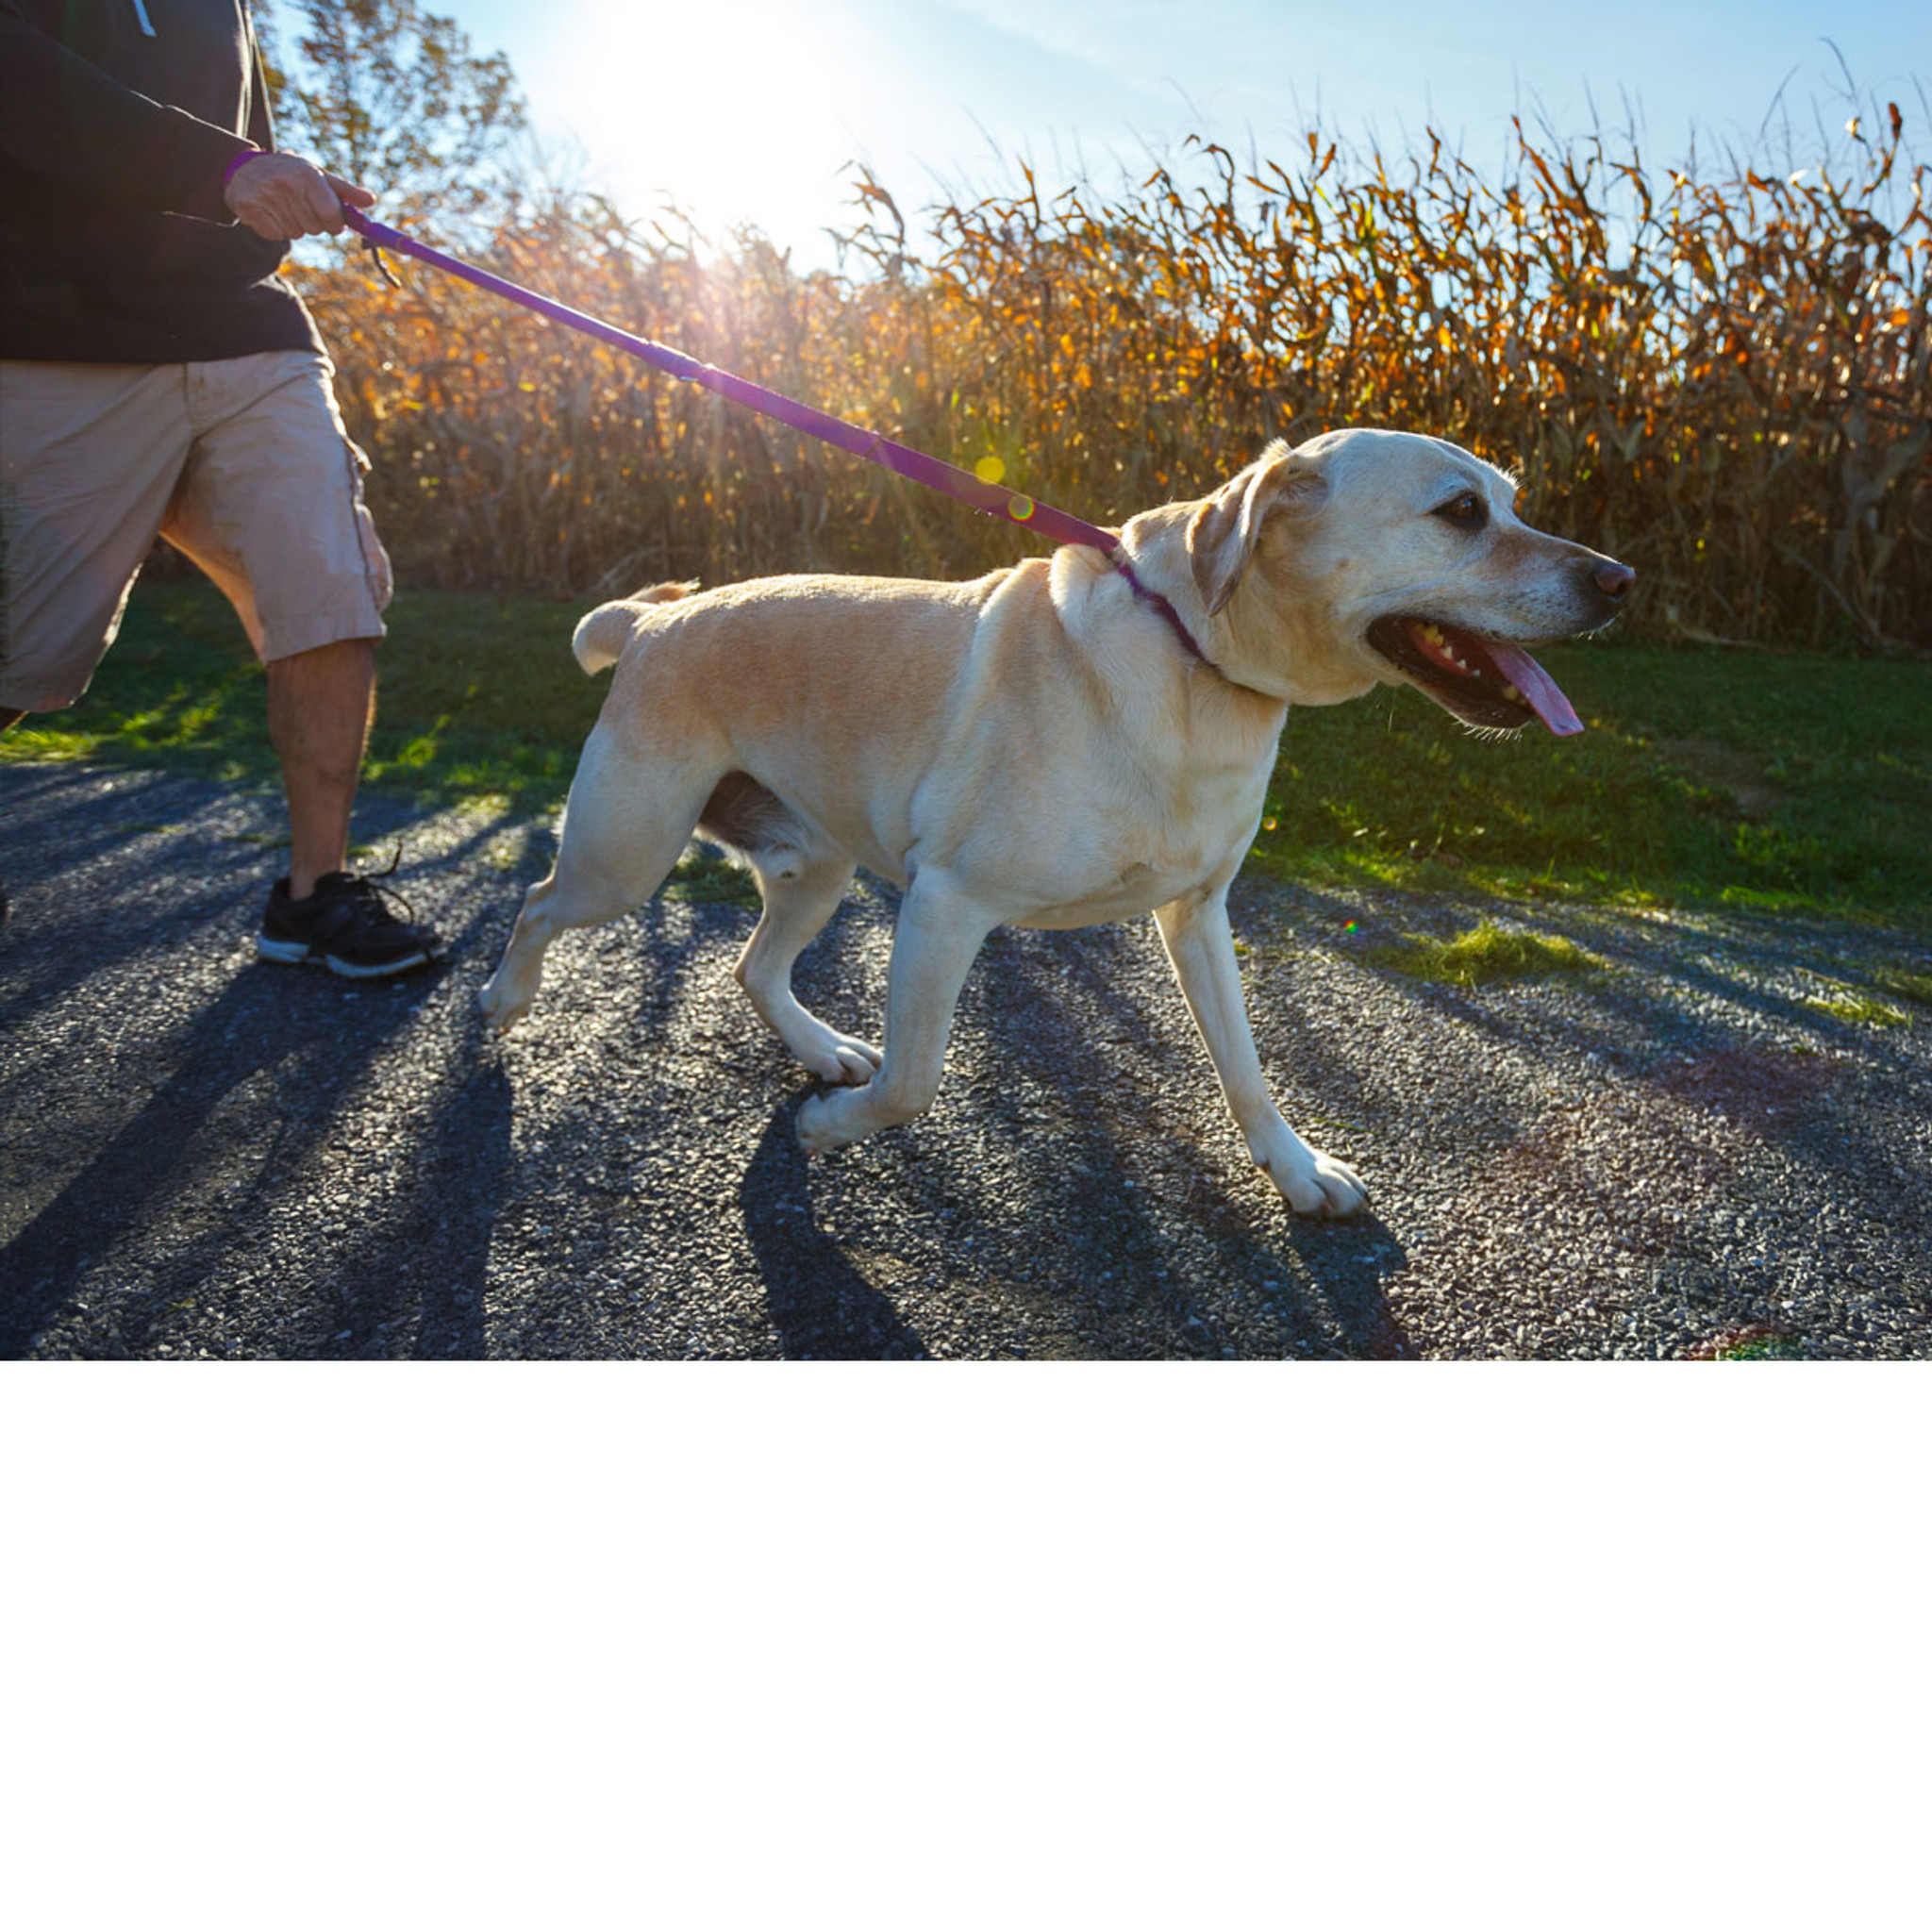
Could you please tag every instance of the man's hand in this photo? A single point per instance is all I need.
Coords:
(281, 196)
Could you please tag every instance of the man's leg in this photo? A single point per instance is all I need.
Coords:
(90, 454)
(320, 706)
(271, 510)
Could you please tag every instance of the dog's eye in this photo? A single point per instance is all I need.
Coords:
(1466, 509)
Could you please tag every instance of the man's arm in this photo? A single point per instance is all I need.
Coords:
(64, 117)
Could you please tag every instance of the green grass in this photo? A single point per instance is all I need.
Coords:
(1726, 776)
(1864, 1005)
(480, 696)
(1485, 951)
(1799, 783)
(710, 879)
(1861, 1009)
(1916, 987)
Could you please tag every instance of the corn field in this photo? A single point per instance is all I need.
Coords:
(1722, 378)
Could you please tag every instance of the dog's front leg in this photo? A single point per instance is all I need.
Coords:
(940, 931)
(1200, 945)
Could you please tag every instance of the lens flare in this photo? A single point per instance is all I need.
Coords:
(1759, 1341)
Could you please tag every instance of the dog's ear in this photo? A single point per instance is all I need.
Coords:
(1224, 531)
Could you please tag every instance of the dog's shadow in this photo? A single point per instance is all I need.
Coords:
(1103, 1284)
(822, 1307)
(1110, 1248)
(1195, 1253)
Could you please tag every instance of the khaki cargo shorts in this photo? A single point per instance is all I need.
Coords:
(242, 465)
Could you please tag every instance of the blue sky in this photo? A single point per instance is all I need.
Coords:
(753, 108)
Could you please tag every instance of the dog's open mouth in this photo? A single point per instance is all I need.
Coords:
(1483, 680)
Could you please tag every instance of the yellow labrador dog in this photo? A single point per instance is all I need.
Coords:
(1053, 745)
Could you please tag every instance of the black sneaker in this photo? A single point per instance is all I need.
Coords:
(344, 924)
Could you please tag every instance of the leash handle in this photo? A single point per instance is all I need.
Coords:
(962, 486)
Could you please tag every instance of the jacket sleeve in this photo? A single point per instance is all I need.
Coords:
(261, 127)
(61, 117)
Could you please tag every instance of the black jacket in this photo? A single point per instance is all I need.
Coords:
(115, 244)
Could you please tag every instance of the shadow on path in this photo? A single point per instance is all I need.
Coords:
(820, 1303)
(177, 1203)
(1110, 1181)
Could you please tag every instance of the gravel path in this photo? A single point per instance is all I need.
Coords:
(204, 1155)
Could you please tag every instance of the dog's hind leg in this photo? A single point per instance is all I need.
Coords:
(627, 821)
(801, 889)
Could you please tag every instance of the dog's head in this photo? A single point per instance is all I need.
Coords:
(1368, 556)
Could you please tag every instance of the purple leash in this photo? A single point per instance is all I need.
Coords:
(962, 486)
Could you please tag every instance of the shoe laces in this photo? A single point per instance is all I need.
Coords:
(367, 889)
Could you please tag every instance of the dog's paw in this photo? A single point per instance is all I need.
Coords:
(499, 1013)
(817, 1125)
(1316, 1183)
(841, 1061)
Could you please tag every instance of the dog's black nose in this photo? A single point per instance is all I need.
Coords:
(1611, 577)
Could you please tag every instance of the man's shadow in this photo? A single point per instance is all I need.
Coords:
(204, 1185)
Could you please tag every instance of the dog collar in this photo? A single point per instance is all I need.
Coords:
(1161, 607)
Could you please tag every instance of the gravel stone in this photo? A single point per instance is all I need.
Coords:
(206, 1157)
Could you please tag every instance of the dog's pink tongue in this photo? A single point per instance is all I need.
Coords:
(1538, 687)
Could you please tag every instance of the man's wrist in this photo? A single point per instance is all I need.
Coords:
(238, 163)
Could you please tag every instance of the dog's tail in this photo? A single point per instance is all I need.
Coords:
(600, 638)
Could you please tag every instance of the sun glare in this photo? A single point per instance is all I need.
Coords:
(739, 111)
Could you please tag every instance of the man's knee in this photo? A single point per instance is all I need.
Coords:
(341, 674)
(324, 662)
